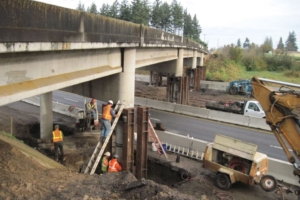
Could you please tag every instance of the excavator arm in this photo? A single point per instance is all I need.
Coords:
(278, 106)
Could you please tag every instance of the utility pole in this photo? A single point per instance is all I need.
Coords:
(204, 38)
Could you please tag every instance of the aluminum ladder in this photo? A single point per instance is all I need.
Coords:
(98, 152)
(156, 140)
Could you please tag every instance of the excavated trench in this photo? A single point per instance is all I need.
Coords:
(156, 172)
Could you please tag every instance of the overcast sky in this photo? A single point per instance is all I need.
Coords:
(225, 21)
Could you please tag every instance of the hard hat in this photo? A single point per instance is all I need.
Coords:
(110, 102)
(56, 126)
(107, 153)
(116, 156)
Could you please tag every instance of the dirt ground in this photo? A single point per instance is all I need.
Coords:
(25, 178)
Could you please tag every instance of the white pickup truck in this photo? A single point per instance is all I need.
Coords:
(249, 108)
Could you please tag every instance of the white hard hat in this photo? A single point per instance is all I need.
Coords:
(107, 153)
(110, 102)
(116, 156)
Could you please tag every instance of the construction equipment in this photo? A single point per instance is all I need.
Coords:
(237, 161)
(99, 150)
(249, 108)
(85, 123)
(156, 140)
(280, 108)
(240, 86)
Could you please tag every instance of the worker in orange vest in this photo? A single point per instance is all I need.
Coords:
(114, 165)
(57, 139)
(107, 115)
(104, 163)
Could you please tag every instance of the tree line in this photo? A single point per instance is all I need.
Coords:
(172, 18)
(267, 46)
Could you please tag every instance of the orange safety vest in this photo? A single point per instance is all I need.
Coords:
(57, 136)
(106, 112)
(114, 166)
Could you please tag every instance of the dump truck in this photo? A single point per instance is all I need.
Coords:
(249, 108)
(234, 161)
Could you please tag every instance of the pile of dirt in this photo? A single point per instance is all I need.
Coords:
(25, 178)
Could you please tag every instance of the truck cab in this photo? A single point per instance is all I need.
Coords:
(253, 109)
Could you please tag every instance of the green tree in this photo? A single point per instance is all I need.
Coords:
(196, 29)
(140, 12)
(291, 44)
(239, 43)
(114, 9)
(280, 45)
(156, 15)
(80, 7)
(92, 9)
(267, 45)
(125, 11)
(187, 27)
(165, 23)
(104, 10)
(246, 43)
(177, 16)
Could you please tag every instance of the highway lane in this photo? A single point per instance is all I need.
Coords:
(196, 127)
(206, 130)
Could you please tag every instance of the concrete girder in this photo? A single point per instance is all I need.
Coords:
(37, 73)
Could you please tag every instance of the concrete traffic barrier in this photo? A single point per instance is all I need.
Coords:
(228, 117)
(190, 110)
(259, 123)
(215, 85)
(140, 101)
(70, 111)
(281, 170)
(160, 105)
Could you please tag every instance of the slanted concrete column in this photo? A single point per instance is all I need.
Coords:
(194, 64)
(179, 63)
(201, 59)
(46, 116)
(127, 78)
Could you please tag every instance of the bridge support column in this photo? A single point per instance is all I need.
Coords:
(46, 116)
(179, 63)
(202, 59)
(194, 64)
(127, 78)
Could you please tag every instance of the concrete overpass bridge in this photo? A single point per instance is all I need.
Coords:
(45, 48)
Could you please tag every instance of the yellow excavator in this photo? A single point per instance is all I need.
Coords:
(281, 107)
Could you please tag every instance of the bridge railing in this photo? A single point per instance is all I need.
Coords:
(31, 21)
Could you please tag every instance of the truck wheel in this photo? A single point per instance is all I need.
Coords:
(233, 90)
(222, 181)
(268, 183)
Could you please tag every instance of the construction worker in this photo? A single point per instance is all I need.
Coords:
(57, 139)
(104, 163)
(113, 165)
(90, 108)
(107, 115)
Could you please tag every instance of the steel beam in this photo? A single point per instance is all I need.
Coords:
(142, 142)
(128, 139)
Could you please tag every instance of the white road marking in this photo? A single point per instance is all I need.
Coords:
(279, 147)
(71, 100)
(155, 119)
(187, 137)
